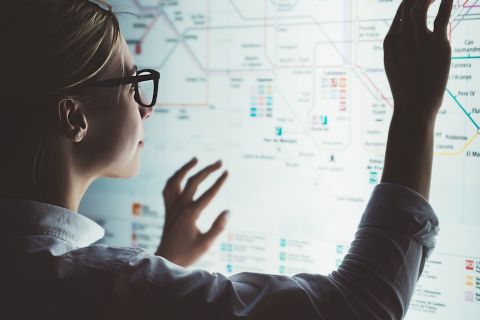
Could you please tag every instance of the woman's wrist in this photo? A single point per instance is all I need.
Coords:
(415, 117)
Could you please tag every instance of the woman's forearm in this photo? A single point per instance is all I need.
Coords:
(409, 154)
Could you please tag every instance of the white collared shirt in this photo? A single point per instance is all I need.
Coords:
(51, 270)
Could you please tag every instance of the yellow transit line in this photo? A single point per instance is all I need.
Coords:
(454, 154)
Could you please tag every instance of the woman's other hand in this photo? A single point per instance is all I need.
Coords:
(182, 242)
(417, 60)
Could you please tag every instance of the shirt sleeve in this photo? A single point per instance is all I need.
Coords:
(376, 279)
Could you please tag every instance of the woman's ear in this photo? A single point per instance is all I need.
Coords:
(72, 118)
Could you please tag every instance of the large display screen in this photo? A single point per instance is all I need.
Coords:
(292, 96)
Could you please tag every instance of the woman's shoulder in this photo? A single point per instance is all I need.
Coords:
(99, 256)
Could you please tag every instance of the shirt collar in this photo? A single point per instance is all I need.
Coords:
(26, 217)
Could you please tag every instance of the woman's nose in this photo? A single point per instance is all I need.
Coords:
(146, 112)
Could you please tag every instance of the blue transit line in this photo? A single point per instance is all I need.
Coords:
(463, 109)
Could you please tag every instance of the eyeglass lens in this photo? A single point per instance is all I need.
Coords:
(146, 89)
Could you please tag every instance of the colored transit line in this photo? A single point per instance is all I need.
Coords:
(466, 57)
(463, 109)
(461, 151)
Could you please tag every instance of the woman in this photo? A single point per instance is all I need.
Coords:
(82, 119)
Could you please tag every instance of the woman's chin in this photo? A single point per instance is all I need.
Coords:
(126, 172)
(134, 171)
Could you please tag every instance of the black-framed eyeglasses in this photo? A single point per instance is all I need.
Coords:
(145, 94)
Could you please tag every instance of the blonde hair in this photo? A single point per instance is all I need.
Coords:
(75, 39)
(52, 46)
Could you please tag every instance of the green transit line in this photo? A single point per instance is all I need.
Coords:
(466, 57)
(463, 109)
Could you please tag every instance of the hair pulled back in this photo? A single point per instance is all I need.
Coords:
(49, 48)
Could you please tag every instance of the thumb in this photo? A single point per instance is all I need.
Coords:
(217, 227)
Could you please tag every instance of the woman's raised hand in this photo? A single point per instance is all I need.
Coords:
(182, 242)
(417, 60)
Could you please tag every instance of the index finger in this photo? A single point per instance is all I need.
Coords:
(419, 19)
(195, 180)
(173, 184)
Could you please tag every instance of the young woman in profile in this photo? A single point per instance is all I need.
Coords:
(71, 112)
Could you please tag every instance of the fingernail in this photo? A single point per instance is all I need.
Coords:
(218, 162)
(225, 173)
(193, 159)
(228, 214)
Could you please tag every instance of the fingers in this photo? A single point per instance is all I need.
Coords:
(419, 16)
(172, 188)
(216, 229)
(407, 12)
(443, 17)
(207, 197)
(195, 180)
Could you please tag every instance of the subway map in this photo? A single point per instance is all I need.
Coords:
(292, 96)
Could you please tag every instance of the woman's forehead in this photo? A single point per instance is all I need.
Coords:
(122, 62)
